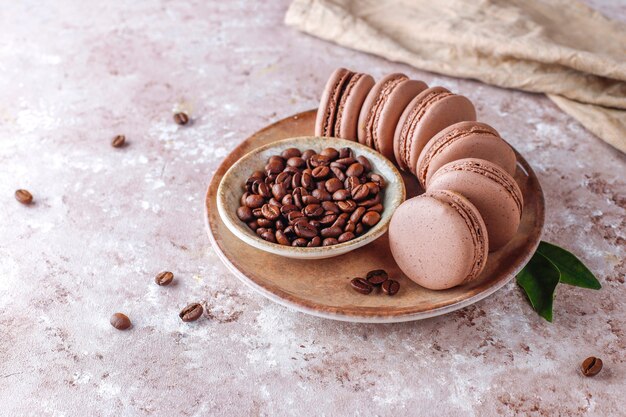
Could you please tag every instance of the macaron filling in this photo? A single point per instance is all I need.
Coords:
(344, 94)
(413, 119)
(332, 107)
(371, 138)
(441, 143)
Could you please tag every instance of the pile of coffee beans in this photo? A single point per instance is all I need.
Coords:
(374, 279)
(312, 199)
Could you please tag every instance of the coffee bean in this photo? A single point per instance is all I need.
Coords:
(181, 118)
(338, 173)
(296, 162)
(360, 192)
(351, 182)
(377, 276)
(299, 242)
(359, 229)
(254, 225)
(308, 154)
(294, 215)
(333, 185)
(307, 181)
(269, 236)
(296, 180)
(367, 166)
(290, 153)
(329, 241)
(357, 214)
(318, 160)
(191, 313)
(264, 190)
(378, 179)
(330, 206)
(270, 211)
(287, 200)
(355, 170)
(350, 227)
(370, 218)
(263, 222)
(320, 172)
(378, 208)
(347, 206)
(341, 221)
(164, 278)
(120, 321)
(328, 219)
(279, 191)
(313, 210)
(373, 187)
(332, 231)
(245, 214)
(282, 238)
(254, 201)
(322, 195)
(332, 153)
(309, 199)
(242, 200)
(118, 141)
(345, 152)
(391, 287)
(344, 237)
(276, 159)
(257, 212)
(23, 196)
(346, 162)
(288, 208)
(305, 230)
(316, 241)
(289, 232)
(341, 195)
(274, 167)
(361, 285)
(284, 178)
(591, 366)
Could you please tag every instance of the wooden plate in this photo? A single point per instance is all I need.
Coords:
(322, 287)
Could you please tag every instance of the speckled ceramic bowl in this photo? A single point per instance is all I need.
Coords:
(230, 190)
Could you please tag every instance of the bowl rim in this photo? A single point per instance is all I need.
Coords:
(243, 232)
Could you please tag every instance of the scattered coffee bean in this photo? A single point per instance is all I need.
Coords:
(164, 278)
(181, 118)
(361, 285)
(191, 313)
(377, 276)
(118, 141)
(591, 366)
(23, 196)
(120, 321)
(391, 287)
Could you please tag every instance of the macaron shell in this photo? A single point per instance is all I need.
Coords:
(492, 190)
(440, 114)
(326, 111)
(399, 98)
(431, 243)
(464, 140)
(350, 107)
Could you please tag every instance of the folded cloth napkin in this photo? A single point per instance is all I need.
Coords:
(559, 47)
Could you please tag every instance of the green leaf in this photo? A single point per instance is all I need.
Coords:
(539, 279)
(573, 271)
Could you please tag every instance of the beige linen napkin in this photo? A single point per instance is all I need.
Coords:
(558, 47)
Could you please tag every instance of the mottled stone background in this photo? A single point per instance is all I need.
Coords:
(105, 221)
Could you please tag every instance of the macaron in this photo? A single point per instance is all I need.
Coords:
(464, 140)
(382, 109)
(491, 189)
(431, 111)
(439, 240)
(340, 106)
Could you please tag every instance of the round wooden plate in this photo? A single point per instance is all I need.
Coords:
(322, 287)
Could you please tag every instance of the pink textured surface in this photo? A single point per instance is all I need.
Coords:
(107, 220)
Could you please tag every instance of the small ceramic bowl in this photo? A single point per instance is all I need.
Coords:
(231, 189)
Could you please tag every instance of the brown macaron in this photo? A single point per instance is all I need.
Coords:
(491, 189)
(464, 140)
(382, 109)
(340, 106)
(426, 115)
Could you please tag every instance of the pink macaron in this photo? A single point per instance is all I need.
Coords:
(491, 189)
(431, 111)
(382, 109)
(464, 140)
(439, 240)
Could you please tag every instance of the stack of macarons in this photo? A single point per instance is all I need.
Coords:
(472, 205)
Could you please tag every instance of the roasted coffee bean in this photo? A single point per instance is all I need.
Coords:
(290, 233)
(253, 225)
(300, 242)
(346, 161)
(297, 200)
(264, 190)
(327, 219)
(318, 160)
(284, 178)
(322, 195)
(305, 230)
(294, 215)
(249, 183)
(257, 212)
(181, 118)
(351, 182)
(281, 238)
(378, 179)
(350, 227)
(377, 276)
(360, 192)
(361, 285)
(296, 162)
(336, 164)
(367, 166)
(313, 210)
(307, 154)
(258, 175)
(118, 141)
(270, 236)
(274, 168)
(164, 278)
(290, 153)
(263, 222)
(370, 218)
(345, 152)
(355, 170)
(331, 153)
(341, 195)
(245, 214)
(378, 208)
(120, 321)
(341, 221)
(276, 159)
(330, 206)
(329, 241)
(373, 187)
(242, 201)
(347, 206)
(309, 199)
(338, 173)
(254, 201)
(288, 208)
(332, 231)
(344, 237)
(296, 180)
(591, 366)
(287, 200)
(307, 181)
(316, 241)
(357, 214)
(191, 313)
(333, 184)
(390, 287)
(24, 196)
(279, 224)
(359, 229)
(320, 172)
(279, 191)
